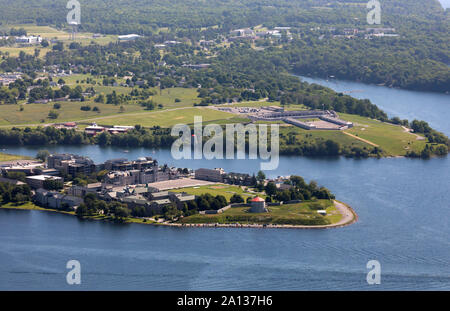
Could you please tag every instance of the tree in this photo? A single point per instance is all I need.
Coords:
(52, 184)
(53, 114)
(121, 213)
(42, 155)
(59, 46)
(261, 176)
(236, 198)
(270, 188)
(100, 99)
(16, 176)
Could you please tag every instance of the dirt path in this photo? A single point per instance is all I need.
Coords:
(362, 139)
(348, 216)
(407, 130)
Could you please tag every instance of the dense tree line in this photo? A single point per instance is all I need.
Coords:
(416, 60)
(17, 194)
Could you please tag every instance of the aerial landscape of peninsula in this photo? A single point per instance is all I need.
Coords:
(188, 142)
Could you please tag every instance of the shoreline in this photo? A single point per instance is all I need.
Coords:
(351, 218)
(345, 210)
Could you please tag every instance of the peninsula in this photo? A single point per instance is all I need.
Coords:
(143, 191)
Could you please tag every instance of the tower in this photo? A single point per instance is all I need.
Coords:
(74, 30)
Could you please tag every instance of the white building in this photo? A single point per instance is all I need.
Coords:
(130, 37)
(29, 39)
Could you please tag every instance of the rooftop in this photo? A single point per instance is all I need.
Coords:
(258, 199)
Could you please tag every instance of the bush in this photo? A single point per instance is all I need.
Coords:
(53, 114)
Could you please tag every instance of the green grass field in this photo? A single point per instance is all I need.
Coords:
(70, 111)
(10, 157)
(226, 190)
(308, 135)
(289, 214)
(50, 33)
(165, 118)
(391, 138)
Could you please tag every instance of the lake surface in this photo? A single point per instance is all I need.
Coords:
(403, 207)
(431, 107)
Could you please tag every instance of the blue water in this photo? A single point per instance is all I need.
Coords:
(403, 223)
(431, 107)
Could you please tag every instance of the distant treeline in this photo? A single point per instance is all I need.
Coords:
(157, 137)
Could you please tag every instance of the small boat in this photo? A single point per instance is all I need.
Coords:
(126, 151)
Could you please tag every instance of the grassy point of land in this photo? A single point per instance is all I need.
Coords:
(31, 206)
(11, 157)
(304, 213)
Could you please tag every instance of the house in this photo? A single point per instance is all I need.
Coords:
(29, 40)
(283, 186)
(94, 129)
(246, 32)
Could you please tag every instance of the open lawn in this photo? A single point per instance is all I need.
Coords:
(288, 214)
(69, 111)
(187, 97)
(50, 33)
(391, 138)
(220, 189)
(10, 157)
(310, 135)
(165, 118)
(15, 51)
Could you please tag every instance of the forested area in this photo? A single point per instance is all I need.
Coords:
(17, 194)
(418, 59)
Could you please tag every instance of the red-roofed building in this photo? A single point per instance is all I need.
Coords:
(70, 125)
(258, 205)
(258, 199)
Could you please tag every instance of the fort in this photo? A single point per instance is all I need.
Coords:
(316, 119)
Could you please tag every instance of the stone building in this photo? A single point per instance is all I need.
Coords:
(258, 205)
